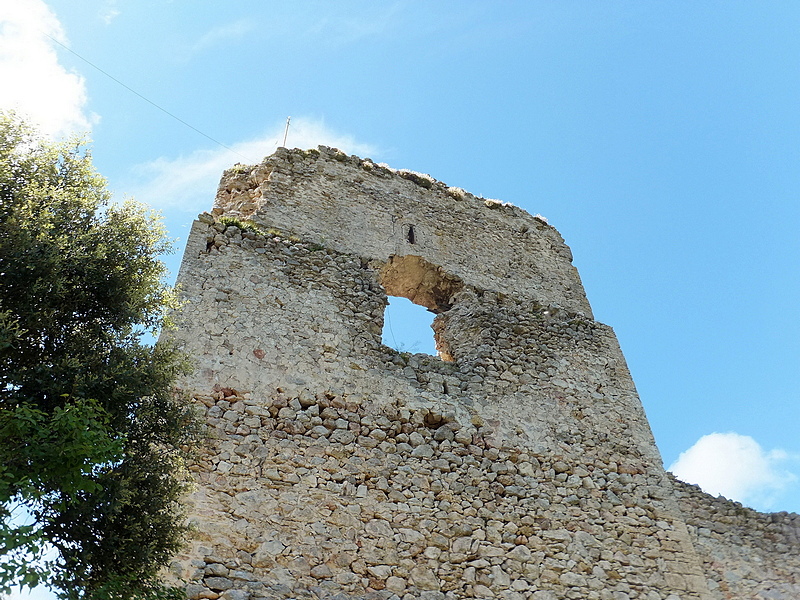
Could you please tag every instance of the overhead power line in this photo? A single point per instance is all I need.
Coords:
(133, 91)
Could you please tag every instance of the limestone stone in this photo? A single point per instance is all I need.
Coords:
(396, 585)
(424, 578)
(321, 572)
(218, 583)
(380, 571)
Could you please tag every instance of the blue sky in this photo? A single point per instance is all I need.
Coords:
(660, 138)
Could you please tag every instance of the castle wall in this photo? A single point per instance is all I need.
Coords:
(746, 554)
(520, 465)
(354, 206)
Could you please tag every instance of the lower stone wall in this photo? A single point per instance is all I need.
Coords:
(746, 554)
(331, 496)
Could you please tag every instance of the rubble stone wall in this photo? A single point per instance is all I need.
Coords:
(518, 464)
(746, 554)
(354, 206)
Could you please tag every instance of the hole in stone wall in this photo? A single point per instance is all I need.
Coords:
(407, 327)
(422, 282)
(410, 235)
(424, 285)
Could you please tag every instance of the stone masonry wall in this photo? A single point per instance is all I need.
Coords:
(746, 554)
(518, 464)
(354, 206)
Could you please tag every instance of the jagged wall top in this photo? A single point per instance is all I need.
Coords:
(353, 205)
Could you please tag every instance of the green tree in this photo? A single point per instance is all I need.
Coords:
(91, 430)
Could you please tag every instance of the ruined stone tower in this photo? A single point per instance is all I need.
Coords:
(517, 464)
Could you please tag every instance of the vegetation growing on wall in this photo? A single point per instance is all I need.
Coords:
(243, 224)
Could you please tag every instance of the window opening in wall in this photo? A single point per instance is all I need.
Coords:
(425, 286)
(407, 327)
(410, 236)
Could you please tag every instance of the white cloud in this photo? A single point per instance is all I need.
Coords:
(109, 11)
(35, 84)
(39, 593)
(190, 182)
(229, 31)
(735, 466)
(217, 35)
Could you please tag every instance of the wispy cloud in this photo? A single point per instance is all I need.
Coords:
(737, 467)
(35, 84)
(190, 182)
(109, 11)
(216, 36)
(234, 30)
(345, 29)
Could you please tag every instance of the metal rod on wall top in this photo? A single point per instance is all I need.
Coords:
(286, 133)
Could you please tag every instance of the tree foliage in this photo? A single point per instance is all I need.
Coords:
(90, 428)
